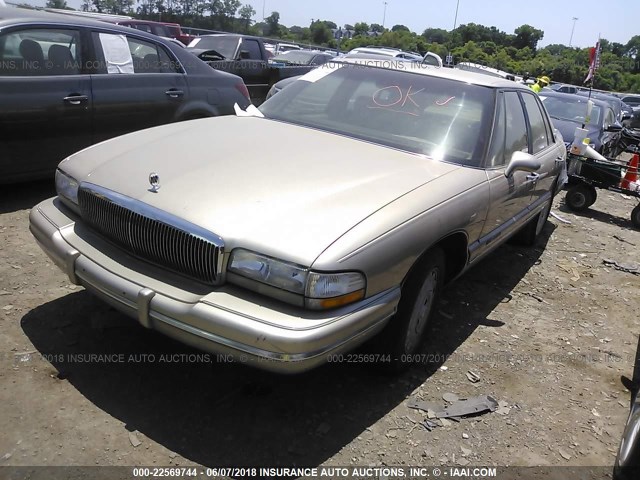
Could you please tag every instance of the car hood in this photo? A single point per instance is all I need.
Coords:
(226, 175)
(568, 130)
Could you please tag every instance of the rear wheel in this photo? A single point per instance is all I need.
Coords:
(580, 197)
(420, 293)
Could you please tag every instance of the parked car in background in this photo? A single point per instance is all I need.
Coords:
(67, 82)
(285, 47)
(388, 52)
(478, 68)
(568, 111)
(175, 31)
(633, 101)
(247, 57)
(302, 57)
(401, 179)
(622, 112)
(564, 88)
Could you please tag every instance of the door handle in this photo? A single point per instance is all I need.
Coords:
(532, 177)
(174, 93)
(75, 99)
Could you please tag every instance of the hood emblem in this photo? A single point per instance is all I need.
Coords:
(154, 180)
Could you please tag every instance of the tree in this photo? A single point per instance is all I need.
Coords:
(57, 4)
(246, 12)
(527, 36)
(376, 27)
(361, 28)
(348, 26)
(436, 35)
(273, 24)
(633, 47)
(321, 32)
(399, 28)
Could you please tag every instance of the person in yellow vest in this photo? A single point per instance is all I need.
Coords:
(540, 84)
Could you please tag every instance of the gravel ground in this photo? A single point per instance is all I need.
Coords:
(548, 330)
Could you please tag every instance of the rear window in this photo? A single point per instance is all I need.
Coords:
(441, 118)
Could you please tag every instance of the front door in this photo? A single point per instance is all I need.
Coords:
(45, 98)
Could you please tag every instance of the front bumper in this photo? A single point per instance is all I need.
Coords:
(226, 320)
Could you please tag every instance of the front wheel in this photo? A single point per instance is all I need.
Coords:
(420, 293)
(528, 235)
(580, 197)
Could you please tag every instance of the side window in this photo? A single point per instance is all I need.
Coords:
(539, 138)
(516, 132)
(253, 47)
(496, 151)
(610, 118)
(40, 51)
(124, 54)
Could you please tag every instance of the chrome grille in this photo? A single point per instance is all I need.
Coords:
(152, 234)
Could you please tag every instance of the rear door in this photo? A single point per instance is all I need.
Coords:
(139, 84)
(509, 196)
(543, 146)
(45, 100)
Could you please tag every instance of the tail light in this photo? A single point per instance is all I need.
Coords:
(242, 88)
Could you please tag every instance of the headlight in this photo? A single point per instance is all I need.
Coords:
(321, 290)
(261, 268)
(67, 187)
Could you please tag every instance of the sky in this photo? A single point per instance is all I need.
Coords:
(615, 20)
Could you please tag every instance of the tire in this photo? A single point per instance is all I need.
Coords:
(580, 197)
(420, 293)
(635, 216)
(528, 235)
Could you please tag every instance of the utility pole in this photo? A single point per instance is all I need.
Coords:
(263, 7)
(384, 14)
(575, 19)
(455, 20)
(449, 59)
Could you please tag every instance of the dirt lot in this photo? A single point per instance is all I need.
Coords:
(549, 331)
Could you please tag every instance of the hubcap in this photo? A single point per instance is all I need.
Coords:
(421, 310)
(579, 199)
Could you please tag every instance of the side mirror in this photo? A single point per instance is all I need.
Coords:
(522, 161)
(244, 55)
(626, 116)
(613, 128)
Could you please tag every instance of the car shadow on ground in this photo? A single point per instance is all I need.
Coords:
(219, 414)
(22, 196)
(604, 217)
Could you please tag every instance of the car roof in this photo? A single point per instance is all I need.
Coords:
(405, 65)
(16, 16)
(238, 35)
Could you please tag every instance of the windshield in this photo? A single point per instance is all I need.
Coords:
(571, 110)
(225, 46)
(293, 56)
(441, 118)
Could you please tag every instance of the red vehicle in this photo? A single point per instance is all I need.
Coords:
(176, 32)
